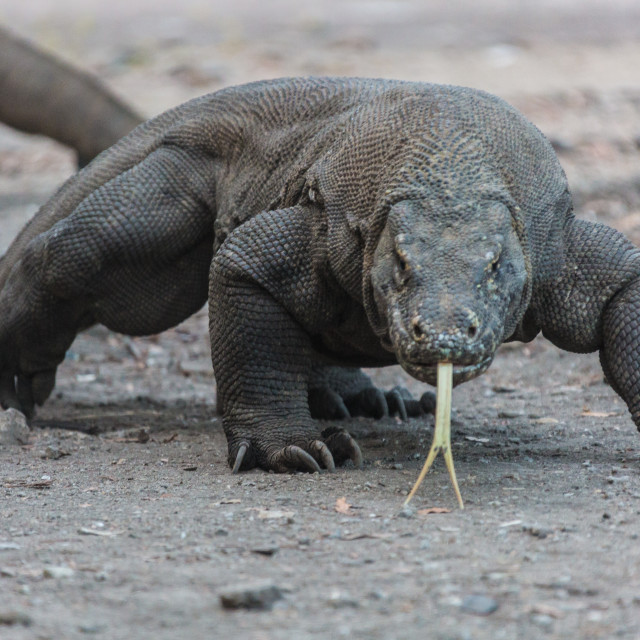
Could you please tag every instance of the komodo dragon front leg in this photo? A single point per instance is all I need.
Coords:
(593, 303)
(134, 255)
(266, 300)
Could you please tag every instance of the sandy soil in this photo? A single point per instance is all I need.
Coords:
(120, 518)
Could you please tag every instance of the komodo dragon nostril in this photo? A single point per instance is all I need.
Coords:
(416, 328)
(472, 328)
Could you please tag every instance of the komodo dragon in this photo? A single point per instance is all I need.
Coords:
(41, 94)
(331, 223)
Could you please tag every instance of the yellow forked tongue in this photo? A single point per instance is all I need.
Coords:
(442, 431)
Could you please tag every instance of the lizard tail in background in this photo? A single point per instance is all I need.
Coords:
(41, 94)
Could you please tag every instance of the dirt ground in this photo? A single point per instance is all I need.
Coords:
(120, 517)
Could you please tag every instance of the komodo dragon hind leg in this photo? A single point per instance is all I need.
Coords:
(342, 392)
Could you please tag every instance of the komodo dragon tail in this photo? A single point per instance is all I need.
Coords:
(41, 94)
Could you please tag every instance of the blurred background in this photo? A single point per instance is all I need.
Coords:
(570, 66)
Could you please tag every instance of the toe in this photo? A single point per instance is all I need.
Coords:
(8, 397)
(293, 458)
(396, 403)
(368, 402)
(326, 404)
(242, 450)
(343, 446)
(322, 453)
(428, 402)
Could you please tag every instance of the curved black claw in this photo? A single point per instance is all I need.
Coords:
(396, 403)
(343, 446)
(293, 458)
(323, 453)
(402, 403)
(244, 447)
(327, 404)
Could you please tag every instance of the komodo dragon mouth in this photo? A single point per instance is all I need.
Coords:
(398, 342)
(461, 373)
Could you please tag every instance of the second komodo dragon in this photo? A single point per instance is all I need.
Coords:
(331, 223)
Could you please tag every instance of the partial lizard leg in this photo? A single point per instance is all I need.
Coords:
(134, 255)
(261, 352)
(593, 303)
(340, 392)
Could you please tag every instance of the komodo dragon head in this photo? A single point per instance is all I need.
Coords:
(425, 185)
(447, 280)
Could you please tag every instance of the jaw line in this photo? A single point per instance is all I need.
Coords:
(461, 373)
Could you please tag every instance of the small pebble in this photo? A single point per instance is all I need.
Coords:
(256, 595)
(266, 551)
(12, 617)
(341, 600)
(53, 452)
(615, 479)
(92, 628)
(13, 428)
(542, 620)
(406, 512)
(479, 605)
(58, 572)
(510, 414)
(537, 531)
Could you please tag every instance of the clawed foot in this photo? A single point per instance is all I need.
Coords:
(24, 392)
(336, 447)
(327, 404)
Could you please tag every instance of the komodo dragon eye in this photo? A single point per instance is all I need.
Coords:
(493, 258)
(314, 195)
(401, 269)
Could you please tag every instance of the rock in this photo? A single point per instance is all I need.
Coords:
(479, 605)
(508, 414)
(406, 512)
(537, 531)
(341, 600)
(13, 428)
(269, 550)
(58, 572)
(12, 617)
(542, 620)
(53, 452)
(200, 367)
(92, 627)
(255, 595)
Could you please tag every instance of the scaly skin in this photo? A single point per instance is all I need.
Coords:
(331, 223)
